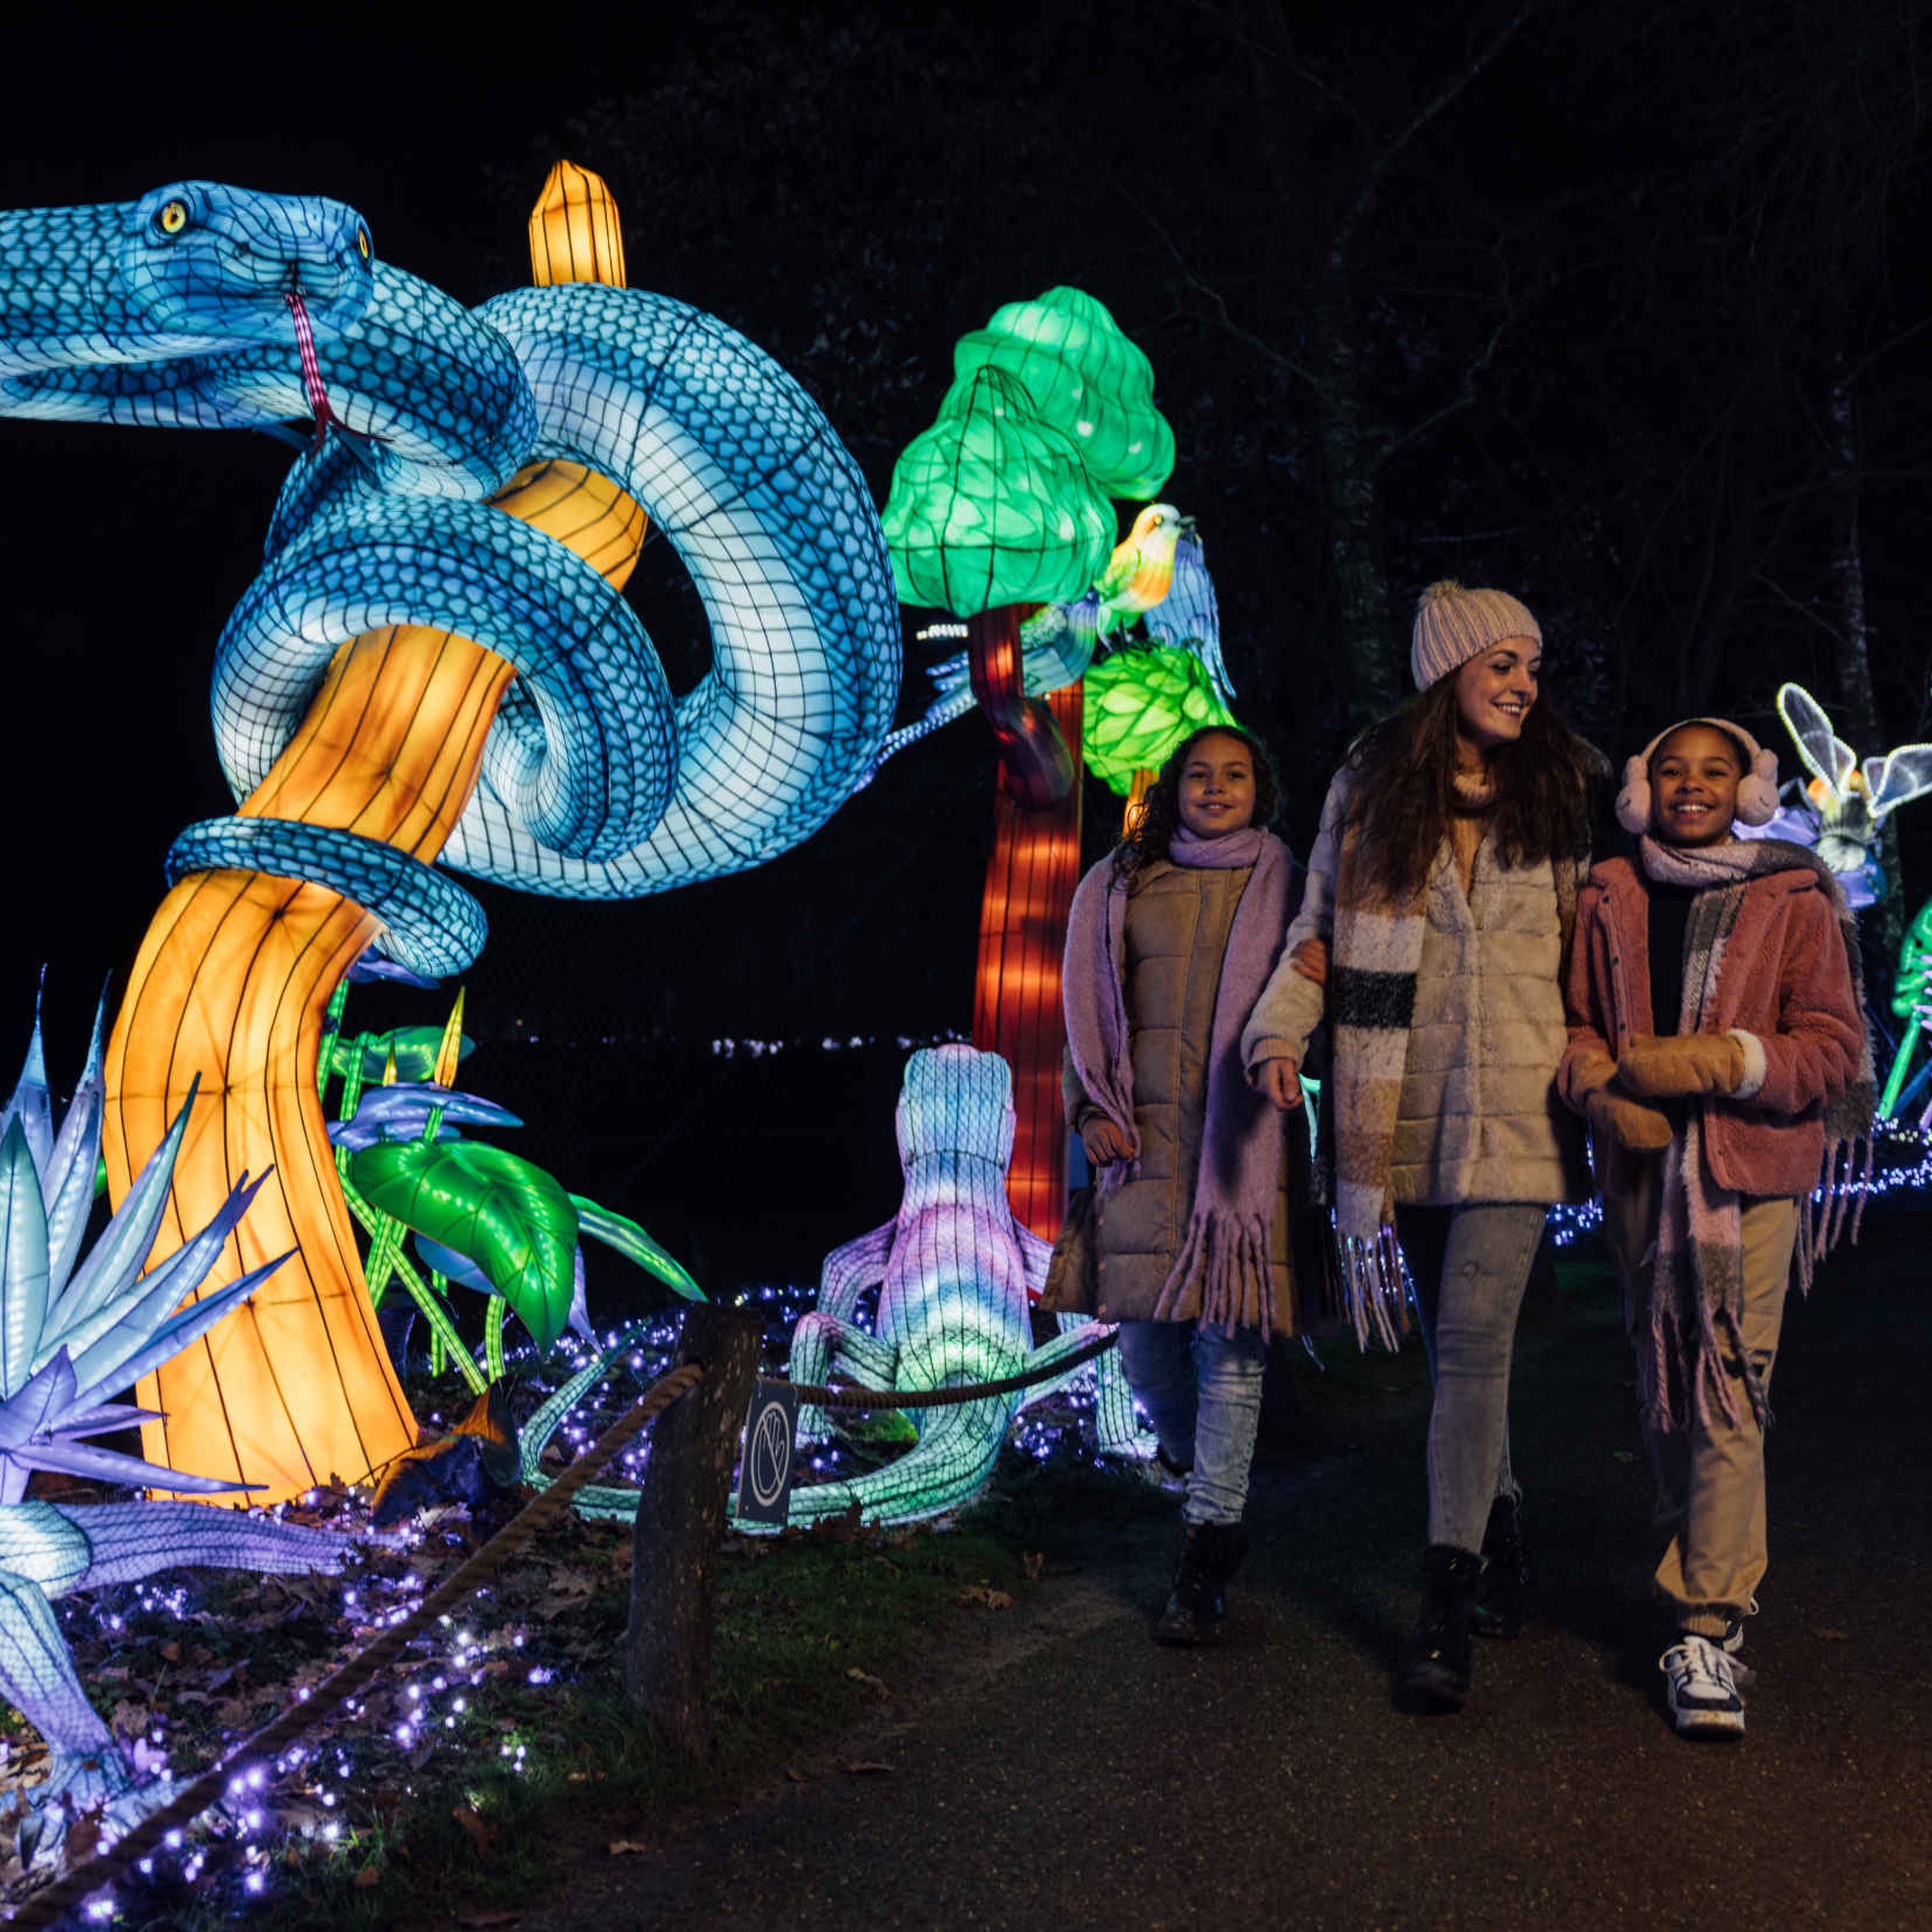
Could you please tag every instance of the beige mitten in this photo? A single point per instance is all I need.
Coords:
(1680, 1064)
(1627, 1122)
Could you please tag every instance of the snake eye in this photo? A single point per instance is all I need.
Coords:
(362, 243)
(173, 218)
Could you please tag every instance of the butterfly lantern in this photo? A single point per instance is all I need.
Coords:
(1845, 799)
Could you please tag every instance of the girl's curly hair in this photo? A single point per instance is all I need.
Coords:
(1160, 815)
(1404, 770)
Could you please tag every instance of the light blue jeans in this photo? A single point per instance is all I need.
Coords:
(1202, 1392)
(1470, 1264)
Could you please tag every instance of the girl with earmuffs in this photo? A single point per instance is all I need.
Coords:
(1717, 1049)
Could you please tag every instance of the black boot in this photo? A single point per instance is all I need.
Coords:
(1211, 1553)
(1502, 1594)
(1435, 1661)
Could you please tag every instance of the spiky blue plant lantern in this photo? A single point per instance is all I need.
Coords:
(74, 1333)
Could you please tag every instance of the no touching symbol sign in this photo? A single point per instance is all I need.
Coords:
(764, 1482)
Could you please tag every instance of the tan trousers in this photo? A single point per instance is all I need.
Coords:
(1710, 1478)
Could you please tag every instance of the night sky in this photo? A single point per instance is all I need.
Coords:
(1596, 291)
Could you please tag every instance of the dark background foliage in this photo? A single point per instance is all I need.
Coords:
(1624, 308)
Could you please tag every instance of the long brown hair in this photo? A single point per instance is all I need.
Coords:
(1160, 815)
(1405, 771)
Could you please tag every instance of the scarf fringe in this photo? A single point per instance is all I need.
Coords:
(1228, 1256)
(1837, 1206)
(1374, 1286)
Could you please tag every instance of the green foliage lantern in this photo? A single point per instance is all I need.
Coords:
(513, 1220)
(1086, 379)
(992, 506)
(1140, 705)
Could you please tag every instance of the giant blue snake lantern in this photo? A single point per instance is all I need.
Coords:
(415, 673)
(953, 1269)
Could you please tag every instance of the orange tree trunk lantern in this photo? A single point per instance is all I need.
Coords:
(1001, 503)
(1034, 866)
(231, 983)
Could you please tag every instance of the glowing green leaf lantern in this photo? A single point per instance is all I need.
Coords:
(1086, 379)
(991, 506)
(1140, 705)
(513, 1221)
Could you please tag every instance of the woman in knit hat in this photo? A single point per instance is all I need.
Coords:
(1441, 893)
(1718, 1050)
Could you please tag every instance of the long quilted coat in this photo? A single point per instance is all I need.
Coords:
(1177, 924)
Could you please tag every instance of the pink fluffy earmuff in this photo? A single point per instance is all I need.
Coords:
(1757, 791)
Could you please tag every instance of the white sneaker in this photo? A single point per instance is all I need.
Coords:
(1701, 1690)
(1734, 1643)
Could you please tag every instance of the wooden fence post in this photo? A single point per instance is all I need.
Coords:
(680, 1524)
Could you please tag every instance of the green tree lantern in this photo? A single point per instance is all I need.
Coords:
(1086, 379)
(1140, 705)
(992, 506)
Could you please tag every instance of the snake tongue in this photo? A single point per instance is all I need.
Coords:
(312, 384)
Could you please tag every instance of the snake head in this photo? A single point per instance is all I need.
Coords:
(211, 264)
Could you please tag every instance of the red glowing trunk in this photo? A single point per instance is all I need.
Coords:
(1029, 880)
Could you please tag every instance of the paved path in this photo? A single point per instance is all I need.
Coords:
(1076, 1775)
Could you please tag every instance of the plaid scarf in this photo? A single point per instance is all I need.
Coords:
(1698, 1288)
(1377, 953)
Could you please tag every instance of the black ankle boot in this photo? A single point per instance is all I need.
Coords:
(1502, 1592)
(1211, 1553)
(1435, 1661)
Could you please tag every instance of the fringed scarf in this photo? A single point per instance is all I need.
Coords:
(1698, 1289)
(1225, 1253)
(1377, 954)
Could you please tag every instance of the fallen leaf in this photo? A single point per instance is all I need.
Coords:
(982, 1594)
(171, 1650)
(866, 1677)
(130, 1719)
(797, 1776)
(619, 1846)
(860, 1767)
(370, 1877)
(83, 1837)
(1032, 1561)
(483, 1836)
(839, 1528)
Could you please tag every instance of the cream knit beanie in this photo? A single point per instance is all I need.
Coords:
(1452, 625)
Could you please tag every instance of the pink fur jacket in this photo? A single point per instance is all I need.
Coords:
(1783, 991)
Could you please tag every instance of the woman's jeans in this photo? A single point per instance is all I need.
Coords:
(1470, 1264)
(1202, 1391)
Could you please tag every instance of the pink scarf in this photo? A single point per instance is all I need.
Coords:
(1228, 1245)
(1697, 1292)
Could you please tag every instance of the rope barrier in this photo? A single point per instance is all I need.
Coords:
(852, 1395)
(46, 1907)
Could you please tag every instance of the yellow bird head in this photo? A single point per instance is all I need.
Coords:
(1141, 571)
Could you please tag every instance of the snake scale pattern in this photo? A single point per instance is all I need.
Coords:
(597, 781)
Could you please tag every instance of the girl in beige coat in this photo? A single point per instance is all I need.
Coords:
(1170, 940)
